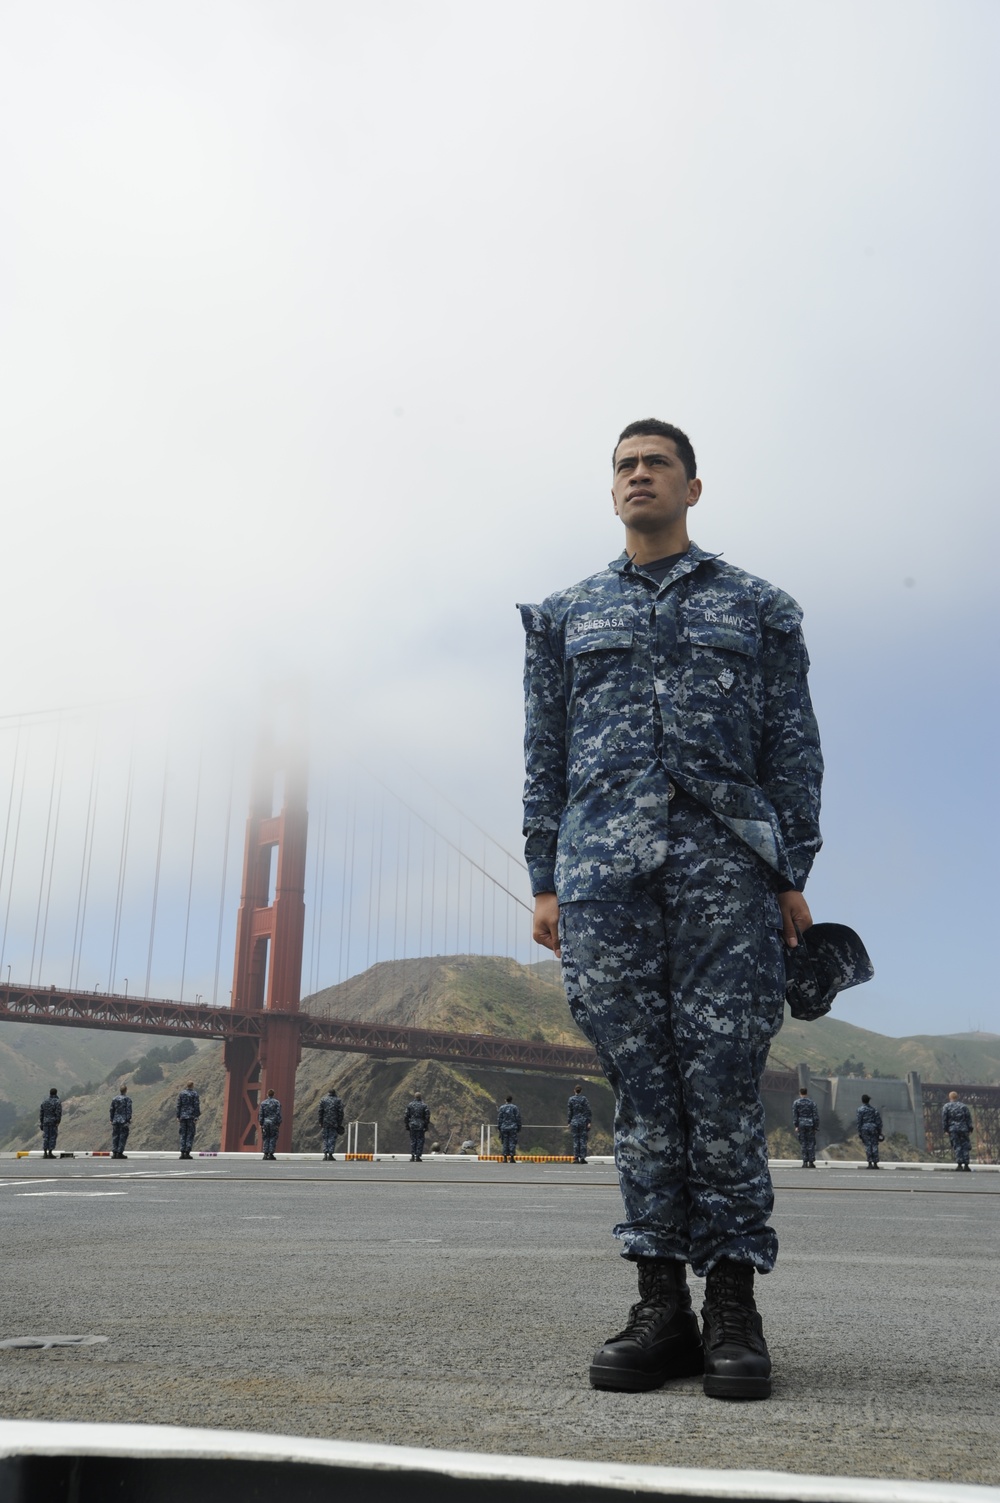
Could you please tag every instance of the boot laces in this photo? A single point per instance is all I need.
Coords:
(735, 1325)
(643, 1318)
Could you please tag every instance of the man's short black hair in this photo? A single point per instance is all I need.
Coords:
(866, 1099)
(510, 1098)
(662, 430)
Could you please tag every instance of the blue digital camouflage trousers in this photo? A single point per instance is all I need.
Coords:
(807, 1142)
(187, 1127)
(869, 1137)
(417, 1141)
(961, 1145)
(680, 990)
(330, 1136)
(508, 1137)
(119, 1136)
(50, 1132)
(269, 1137)
(580, 1136)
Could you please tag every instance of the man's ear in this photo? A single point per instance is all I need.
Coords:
(694, 491)
(614, 501)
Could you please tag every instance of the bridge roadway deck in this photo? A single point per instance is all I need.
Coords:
(457, 1305)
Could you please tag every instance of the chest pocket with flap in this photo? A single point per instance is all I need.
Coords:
(723, 649)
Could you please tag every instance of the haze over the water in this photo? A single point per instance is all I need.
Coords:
(320, 322)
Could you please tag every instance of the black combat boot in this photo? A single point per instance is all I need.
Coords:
(660, 1340)
(737, 1364)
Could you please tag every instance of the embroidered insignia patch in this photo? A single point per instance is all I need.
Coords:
(727, 679)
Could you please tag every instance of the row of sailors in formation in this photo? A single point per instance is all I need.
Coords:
(416, 1120)
(956, 1122)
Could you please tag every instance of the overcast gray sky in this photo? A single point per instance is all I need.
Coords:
(320, 321)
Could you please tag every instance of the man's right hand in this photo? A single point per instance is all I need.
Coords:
(545, 929)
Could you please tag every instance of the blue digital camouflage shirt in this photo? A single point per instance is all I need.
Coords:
(50, 1112)
(805, 1113)
(578, 1108)
(702, 680)
(331, 1112)
(956, 1117)
(417, 1117)
(121, 1110)
(269, 1112)
(508, 1117)
(869, 1118)
(188, 1105)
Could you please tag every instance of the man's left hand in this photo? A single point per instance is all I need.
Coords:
(794, 915)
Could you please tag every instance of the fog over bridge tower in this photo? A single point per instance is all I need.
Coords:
(269, 935)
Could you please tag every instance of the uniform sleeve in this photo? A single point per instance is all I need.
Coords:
(791, 763)
(544, 748)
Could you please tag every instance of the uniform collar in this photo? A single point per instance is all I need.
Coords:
(694, 556)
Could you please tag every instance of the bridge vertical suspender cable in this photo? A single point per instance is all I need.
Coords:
(52, 863)
(56, 783)
(348, 883)
(6, 832)
(86, 858)
(378, 879)
(156, 875)
(122, 865)
(222, 884)
(317, 907)
(194, 842)
(321, 849)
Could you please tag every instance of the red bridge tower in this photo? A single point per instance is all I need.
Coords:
(269, 933)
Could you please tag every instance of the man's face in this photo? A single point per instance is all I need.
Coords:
(650, 488)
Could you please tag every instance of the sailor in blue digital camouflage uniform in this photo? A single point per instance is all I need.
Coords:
(188, 1112)
(869, 1120)
(578, 1117)
(121, 1117)
(509, 1128)
(416, 1120)
(956, 1121)
(49, 1118)
(672, 816)
(331, 1121)
(805, 1122)
(269, 1117)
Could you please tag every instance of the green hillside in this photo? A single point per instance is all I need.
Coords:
(828, 1043)
(468, 993)
(35, 1056)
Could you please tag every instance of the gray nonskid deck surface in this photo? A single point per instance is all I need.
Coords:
(458, 1306)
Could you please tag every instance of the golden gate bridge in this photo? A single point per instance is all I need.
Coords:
(120, 848)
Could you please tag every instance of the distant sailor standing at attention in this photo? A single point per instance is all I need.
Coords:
(331, 1121)
(956, 1120)
(805, 1121)
(121, 1118)
(870, 1130)
(509, 1128)
(269, 1117)
(416, 1120)
(188, 1112)
(671, 811)
(578, 1117)
(49, 1118)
